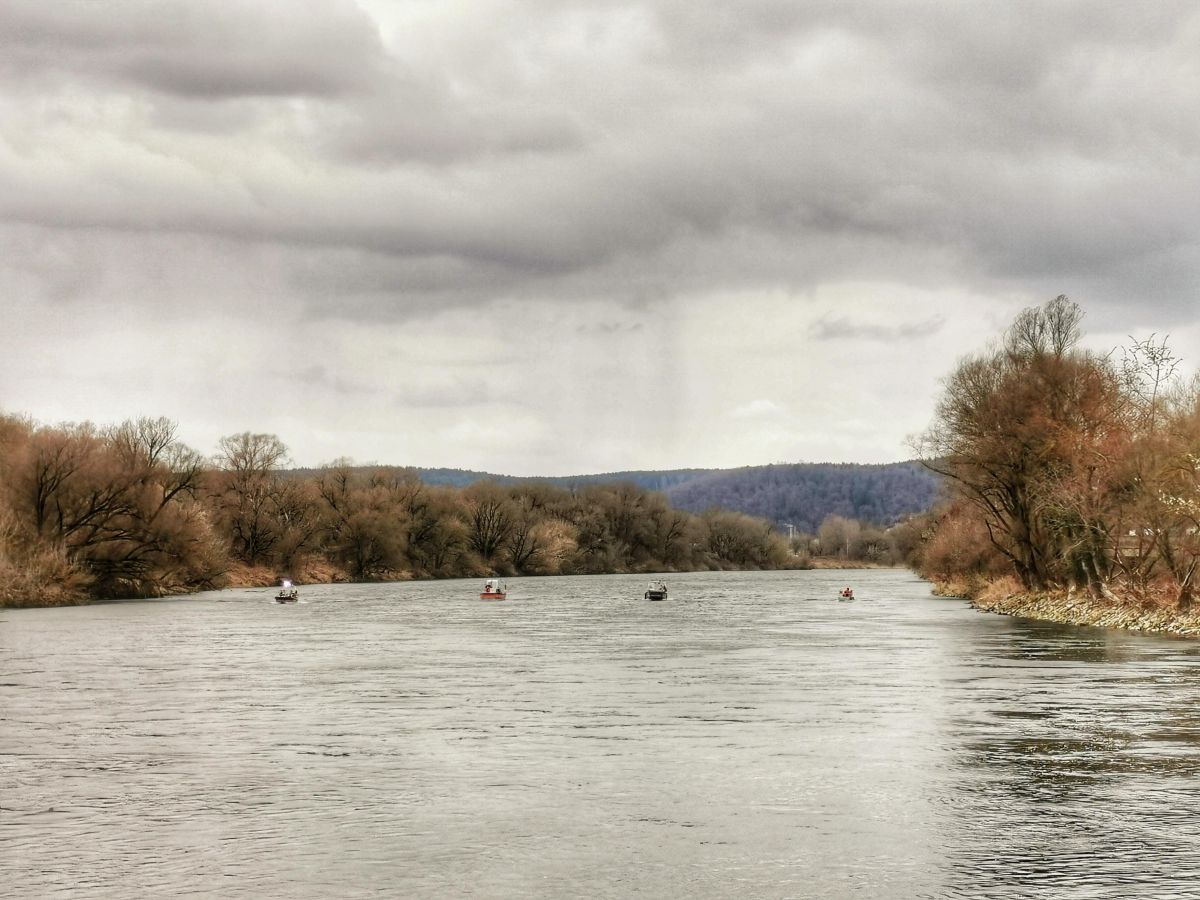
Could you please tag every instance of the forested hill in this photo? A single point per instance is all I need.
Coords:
(646, 480)
(649, 481)
(803, 494)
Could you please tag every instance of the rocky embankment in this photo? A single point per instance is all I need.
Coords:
(1082, 609)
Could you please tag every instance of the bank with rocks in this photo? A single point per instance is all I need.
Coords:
(1074, 608)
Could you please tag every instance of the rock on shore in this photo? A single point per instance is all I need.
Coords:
(1081, 609)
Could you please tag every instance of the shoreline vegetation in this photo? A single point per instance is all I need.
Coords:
(1073, 480)
(127, 511)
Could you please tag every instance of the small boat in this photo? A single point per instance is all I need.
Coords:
(287, 593)
(846, 594)
(657, 590)
(493, 589)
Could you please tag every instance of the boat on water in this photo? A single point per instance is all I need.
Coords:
(493, 589)
(287, 593)
(656, 590)
(846, 593)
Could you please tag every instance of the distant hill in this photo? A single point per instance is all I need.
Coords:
(650, 481)
(805, 493)
(802, 494)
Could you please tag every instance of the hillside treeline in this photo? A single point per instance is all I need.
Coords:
(129, 511)
(1070, 470)
(806, 494)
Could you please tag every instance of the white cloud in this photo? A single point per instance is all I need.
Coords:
(757, 409)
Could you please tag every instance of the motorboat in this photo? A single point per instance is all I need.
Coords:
(493, 589)
(287, 593)
(656, 590)
(846, 594)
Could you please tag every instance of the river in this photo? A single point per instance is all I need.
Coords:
(749, 737)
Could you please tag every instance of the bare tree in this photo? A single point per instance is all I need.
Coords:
(489, 518)
(249, 493)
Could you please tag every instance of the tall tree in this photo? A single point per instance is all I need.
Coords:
(1012, 430)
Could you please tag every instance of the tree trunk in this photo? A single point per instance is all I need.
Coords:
(1184, 601)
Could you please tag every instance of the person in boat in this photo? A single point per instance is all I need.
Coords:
(847, 593)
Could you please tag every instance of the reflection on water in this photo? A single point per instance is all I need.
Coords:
(749, 737)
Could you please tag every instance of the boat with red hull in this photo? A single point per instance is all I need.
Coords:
(493, 589)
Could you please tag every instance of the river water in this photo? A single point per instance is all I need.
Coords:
(749, 737)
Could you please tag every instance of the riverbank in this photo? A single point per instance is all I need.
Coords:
(836, 562)
(1077, 608)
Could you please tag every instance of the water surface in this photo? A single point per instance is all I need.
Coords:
(749, 737)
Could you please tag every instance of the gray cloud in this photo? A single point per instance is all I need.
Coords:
(231, 49)
(318, 377)
(979, 138)
(444, 396)
(609, 327)
(828, 328)
(335, 162)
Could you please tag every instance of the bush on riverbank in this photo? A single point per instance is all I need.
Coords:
(37, 576)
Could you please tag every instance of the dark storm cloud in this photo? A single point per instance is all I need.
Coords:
(631, 151)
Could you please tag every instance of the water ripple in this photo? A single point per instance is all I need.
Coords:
(750, 737)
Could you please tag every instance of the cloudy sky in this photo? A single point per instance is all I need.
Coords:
(566, 236)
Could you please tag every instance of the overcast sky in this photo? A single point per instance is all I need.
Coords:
(556, 237)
